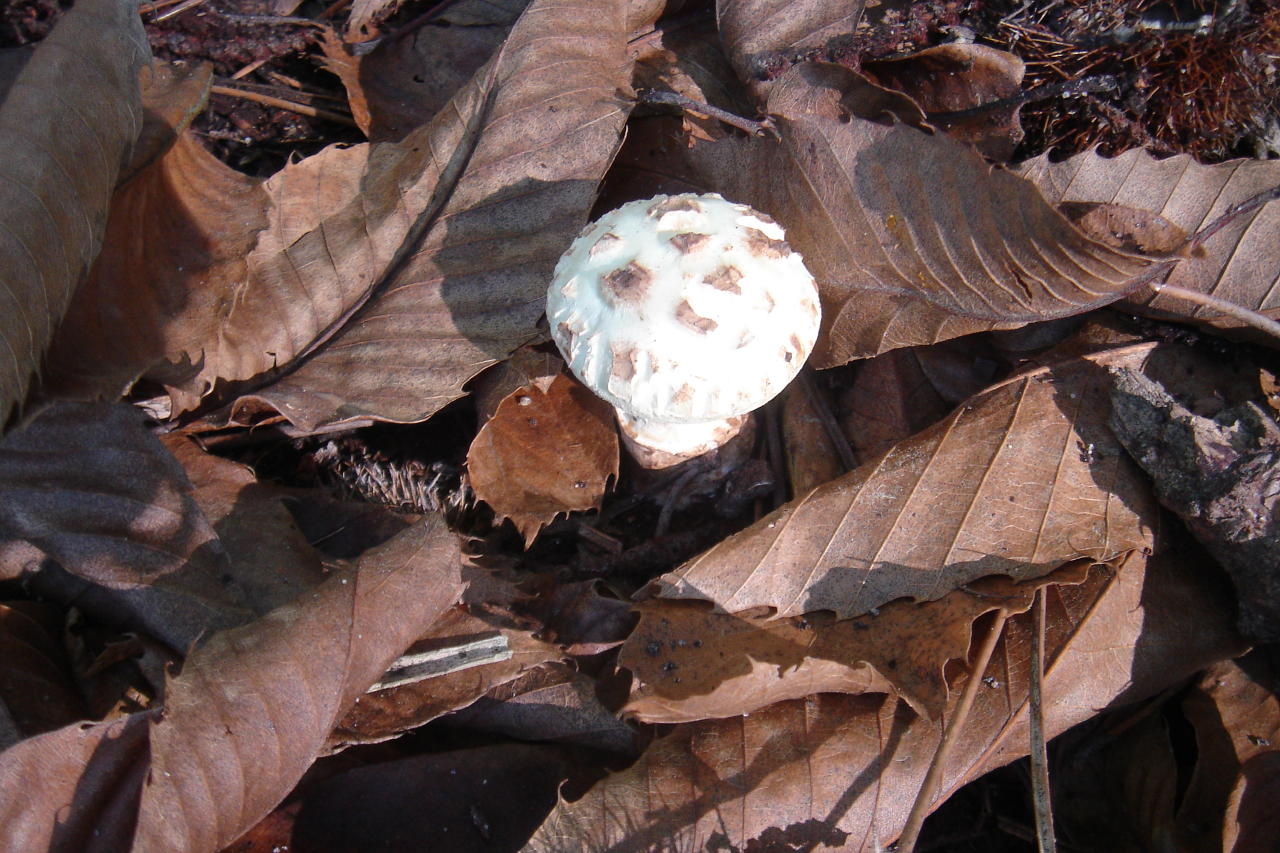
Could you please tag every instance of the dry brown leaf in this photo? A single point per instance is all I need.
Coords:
(67, 127)
(1020, 480)
(1237, 264)
(542, 455)
(953, 78)
(246, 716)
(388, 713)
(94, 510)
(521, 150)
(692, 663)
(913, 238)
(843, 770)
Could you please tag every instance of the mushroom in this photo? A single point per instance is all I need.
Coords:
(686, 313)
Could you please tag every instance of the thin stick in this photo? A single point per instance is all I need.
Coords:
(929, 787)
(176, 10)
(675, 99)
(1063, 88)
(1231, 309)
(1232, 213)
(291, 106)
(818, 403)
(1040, 796)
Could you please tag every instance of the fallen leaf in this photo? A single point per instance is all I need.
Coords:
(1237, 263)
(692, 663)
(411, 73)
(913, 239)
(506, 177)
(951, 82)
(242, 721)
(95, 511)
(1018, 481)
(270, 559)
(60, 167)
(761, 37)
(543, 455)
(844, 770)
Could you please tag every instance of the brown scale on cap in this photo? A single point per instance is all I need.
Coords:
(566, 335)
(625, 357)
(760, 243)
(686, 315)
(606, 242)
(683, 395)
(670, 205)
(628, 284)
(686, 243)
(726, 278)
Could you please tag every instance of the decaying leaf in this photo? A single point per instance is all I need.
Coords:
(94, 510)
(843, 770)
(542, 455)
(67, 126)
(37, 691)
(913, 238)
(1020, 480)
(692, 663)
(1238, 263)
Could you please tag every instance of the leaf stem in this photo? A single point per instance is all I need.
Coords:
(1040, 796)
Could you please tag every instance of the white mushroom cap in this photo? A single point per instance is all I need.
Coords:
(685, 312)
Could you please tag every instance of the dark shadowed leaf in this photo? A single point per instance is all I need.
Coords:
(242, 721)
(1021, 479)
(844, 770)
(544, 454)
(67, 127)
(468, 801)
(95, 511)
(37, 690)
(413, 72)
(951, 80)
(762, 37)
(912, 238)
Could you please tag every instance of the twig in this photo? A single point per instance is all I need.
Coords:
(673, 497)
(1061, 89)
(928, 788)
(183, 6)
(292, 106)
(818, 403)
(1230, 309)
(675, 99)
(1041, 799)
(1236, 210)
(419, 666)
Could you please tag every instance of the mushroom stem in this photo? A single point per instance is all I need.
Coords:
(660, 444)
